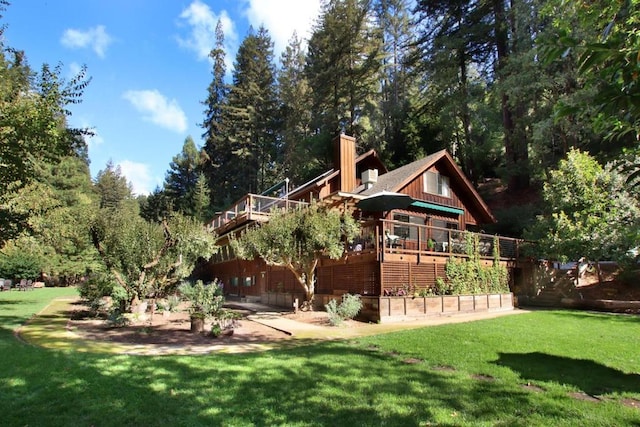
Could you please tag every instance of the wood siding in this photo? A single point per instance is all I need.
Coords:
(415, 189)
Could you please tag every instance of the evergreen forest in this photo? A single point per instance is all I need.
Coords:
(525, 94)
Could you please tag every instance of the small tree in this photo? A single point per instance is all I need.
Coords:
(148, 260)
(205, 301)
(297, 240)
(590, 213)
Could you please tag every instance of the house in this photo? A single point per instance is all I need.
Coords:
(413, 220)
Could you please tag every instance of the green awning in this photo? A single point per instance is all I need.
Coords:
(419, 204)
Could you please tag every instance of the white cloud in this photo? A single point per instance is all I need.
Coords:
(202, 36)
(96, 38)
(157, 109)
(282, 18)
(139, 175)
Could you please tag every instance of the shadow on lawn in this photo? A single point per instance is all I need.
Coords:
(313, 385)
(591, 377)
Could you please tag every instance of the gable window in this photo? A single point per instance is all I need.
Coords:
(435, 183)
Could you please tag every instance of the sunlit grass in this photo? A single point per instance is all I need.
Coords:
(515, 370)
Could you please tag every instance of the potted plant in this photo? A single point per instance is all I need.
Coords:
(205, 300)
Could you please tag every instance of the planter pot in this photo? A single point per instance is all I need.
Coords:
(197, 324)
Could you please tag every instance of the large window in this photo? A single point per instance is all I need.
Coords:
(409, 231)
(435, 183)
(441, 235)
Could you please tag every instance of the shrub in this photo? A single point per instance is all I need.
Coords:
(206, 300)
(348, 309)
(332, 311)
(17, 265)
(216, 330)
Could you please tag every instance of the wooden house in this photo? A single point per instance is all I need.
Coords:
(414, 218)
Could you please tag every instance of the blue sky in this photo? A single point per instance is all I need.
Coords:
(148, 63)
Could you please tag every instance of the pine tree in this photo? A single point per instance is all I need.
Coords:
(343, 61)
(218, 153)
(201, 199)
(182, 176)
(112, 187)
(252, 109)
(395, 143)
(295, 109)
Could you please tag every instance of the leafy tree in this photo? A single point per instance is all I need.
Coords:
(21, 258)
(605, 41)
(297, 240)
(33, 120)
(148, 260)
(57, 206)
(590, 213)
(33, 128)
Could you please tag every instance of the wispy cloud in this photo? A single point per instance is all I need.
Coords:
(202, 21)
(95, 38)
(157, 109)
(283, 20)
(139, 175)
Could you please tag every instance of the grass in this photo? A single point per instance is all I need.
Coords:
(515, 370)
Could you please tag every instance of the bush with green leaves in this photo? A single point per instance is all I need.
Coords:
(469, 276)
(94, 289)
(20, 260)
(348, 309)
(206, 300)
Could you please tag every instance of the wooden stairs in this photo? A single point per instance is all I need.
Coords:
(552, 294)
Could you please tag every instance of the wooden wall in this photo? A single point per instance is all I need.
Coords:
(355, 275)
(400, 274)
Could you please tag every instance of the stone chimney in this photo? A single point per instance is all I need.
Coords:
(344, 159)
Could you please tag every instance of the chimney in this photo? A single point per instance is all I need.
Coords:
(369, 178)
(344, 159)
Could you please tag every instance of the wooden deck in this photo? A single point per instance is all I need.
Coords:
(251, 208)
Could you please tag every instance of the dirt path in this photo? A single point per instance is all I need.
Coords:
(61, 325)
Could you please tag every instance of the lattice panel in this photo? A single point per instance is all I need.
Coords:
(395, 274)
(324, 284)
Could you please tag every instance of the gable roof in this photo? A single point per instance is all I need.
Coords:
(398, 178)
(369, 156)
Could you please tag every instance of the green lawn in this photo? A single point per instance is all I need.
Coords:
(462, 374)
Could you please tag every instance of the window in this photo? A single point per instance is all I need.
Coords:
(408, 231)
(434, 183)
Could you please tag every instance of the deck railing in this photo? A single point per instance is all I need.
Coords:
(250, 207)
(401, 237)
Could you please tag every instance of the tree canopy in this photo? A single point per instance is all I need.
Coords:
(297, 240)
(589, 213)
